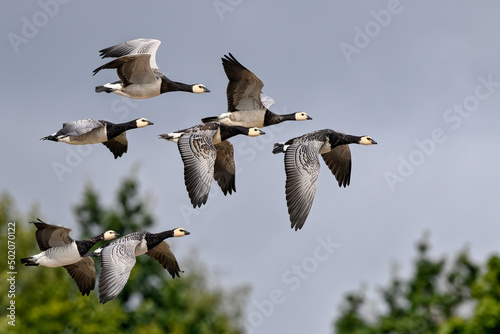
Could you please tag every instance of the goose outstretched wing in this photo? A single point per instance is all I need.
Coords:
(135, 46)
(117, 260)
(224, 168)
(339, 162)
(198, 155)
(132, 69)
(48, 235)
(83, 272)
(244, 88)
(117, 145)
(164, 255)
(302, 170)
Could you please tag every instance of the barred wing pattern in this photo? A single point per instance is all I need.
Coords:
(302, 170)
(198, 155)
(117, 260)
(135, 46)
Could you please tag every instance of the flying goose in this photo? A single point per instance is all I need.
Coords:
(139, 75)
(118, 258)
(60, 250)
(246, 105)
(302, 166)
(91, 131)
(206, 154)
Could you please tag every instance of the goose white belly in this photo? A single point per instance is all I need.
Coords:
(58, 256)
(141, 248)
(247, 118)
(141, 91)
(95, 136)
(325, 147)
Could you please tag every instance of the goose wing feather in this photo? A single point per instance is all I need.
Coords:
(48, 235)
(80, 127)
(164, 255)
(339, 162)
(302, 170)
(83, 272)
(135, 46)
(198, 155)
(244, 88)
(132, 69)
(224, 168)
(117, 261)
(267, 101)
(118, 145)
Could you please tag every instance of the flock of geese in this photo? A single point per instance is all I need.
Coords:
(206, 154)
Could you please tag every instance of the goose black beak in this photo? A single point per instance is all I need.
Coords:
(151, 123)
(262, 132)
(187, 233)
(309, 117)
(374, 142)
(207, 90)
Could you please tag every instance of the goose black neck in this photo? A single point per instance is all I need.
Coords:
(168, 85)
(271, 118)
(154, 239)
(85, 245)
(227, 131)
(113, 130)
(349, 139)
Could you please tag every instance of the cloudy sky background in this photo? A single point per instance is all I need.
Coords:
(421, 78)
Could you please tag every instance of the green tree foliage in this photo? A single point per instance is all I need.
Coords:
(48, 300)
(458, 299)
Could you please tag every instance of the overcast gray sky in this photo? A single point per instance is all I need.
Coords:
(422, 78)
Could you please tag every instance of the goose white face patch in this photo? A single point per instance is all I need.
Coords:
(142, 122)
(200, 89)
(301, 116)
(366, 140)
(109, 235)
(254, 132)
(180, 232)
